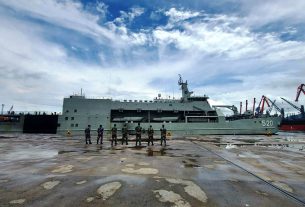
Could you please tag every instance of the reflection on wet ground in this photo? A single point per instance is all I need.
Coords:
(48, 170)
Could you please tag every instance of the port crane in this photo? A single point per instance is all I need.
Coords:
(300, 109)
(269, 110)
(299, 90)
(291, 104)
(261, 105)
(276, 107)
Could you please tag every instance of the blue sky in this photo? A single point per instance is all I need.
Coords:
(231, 50)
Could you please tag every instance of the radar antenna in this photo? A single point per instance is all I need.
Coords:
(180, 81)
(186, 94)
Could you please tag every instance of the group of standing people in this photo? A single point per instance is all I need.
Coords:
(114, 133)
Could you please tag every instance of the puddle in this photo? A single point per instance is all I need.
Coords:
(170, 196)
(30, 153)
(250, 141)
(63, 169)
(190, 163)
(156, 152)
(64, 152)
(141, 171)
(137, 147)
(107, 190)
(49, 185)
(19, 201)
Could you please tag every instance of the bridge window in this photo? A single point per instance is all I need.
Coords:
(72, 118)
(75, 110)
(66, 118)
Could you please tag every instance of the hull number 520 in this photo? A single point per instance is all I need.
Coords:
(267, 123)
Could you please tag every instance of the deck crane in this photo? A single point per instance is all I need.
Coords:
(300, 109)
(299, 90)
(262, 102)
(291, 104)
(276, 107)
(271, 107)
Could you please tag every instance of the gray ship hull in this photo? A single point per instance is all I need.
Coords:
(13, 124)
(190, 115)
(236, 127)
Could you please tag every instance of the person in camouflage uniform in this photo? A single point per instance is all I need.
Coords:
(114, 132)
(125, 134)
(163, 135)
(138, 134)
(100, 133)
(87, 135)
(150, 133)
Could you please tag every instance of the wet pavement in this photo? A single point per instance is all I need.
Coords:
(53, 170)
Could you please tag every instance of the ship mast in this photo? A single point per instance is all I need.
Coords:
(186, 94)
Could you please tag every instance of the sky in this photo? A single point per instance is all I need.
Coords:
(230, 50)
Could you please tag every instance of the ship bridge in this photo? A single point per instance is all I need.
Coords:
(187, 95)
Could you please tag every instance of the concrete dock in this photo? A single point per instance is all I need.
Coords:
(54, 170)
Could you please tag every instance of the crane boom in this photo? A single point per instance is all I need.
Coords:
(299, 90)
(262, 102)
(291, 104)
(275, 106)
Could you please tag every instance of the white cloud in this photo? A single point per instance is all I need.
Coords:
(224, 36)
(179, 15)
(66, 14)
(102, 8)
(261, 12)
(37, 70)
(127, 17)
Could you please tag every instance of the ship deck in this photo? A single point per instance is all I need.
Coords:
(54, 170)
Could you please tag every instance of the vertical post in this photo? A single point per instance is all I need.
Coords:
(253, 105)
(246, 105)
(2, 109)
(241, 104)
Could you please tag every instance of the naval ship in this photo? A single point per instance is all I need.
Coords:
(189, 115)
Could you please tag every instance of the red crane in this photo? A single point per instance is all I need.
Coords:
(299, 90)
(264, 100)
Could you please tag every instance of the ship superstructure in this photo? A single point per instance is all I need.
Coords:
(188, 115)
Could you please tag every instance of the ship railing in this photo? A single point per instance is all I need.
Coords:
(155, 100)
(31, 113)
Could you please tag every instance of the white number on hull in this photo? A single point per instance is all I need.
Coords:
(267, 123)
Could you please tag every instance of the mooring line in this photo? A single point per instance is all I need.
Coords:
(244, 169)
